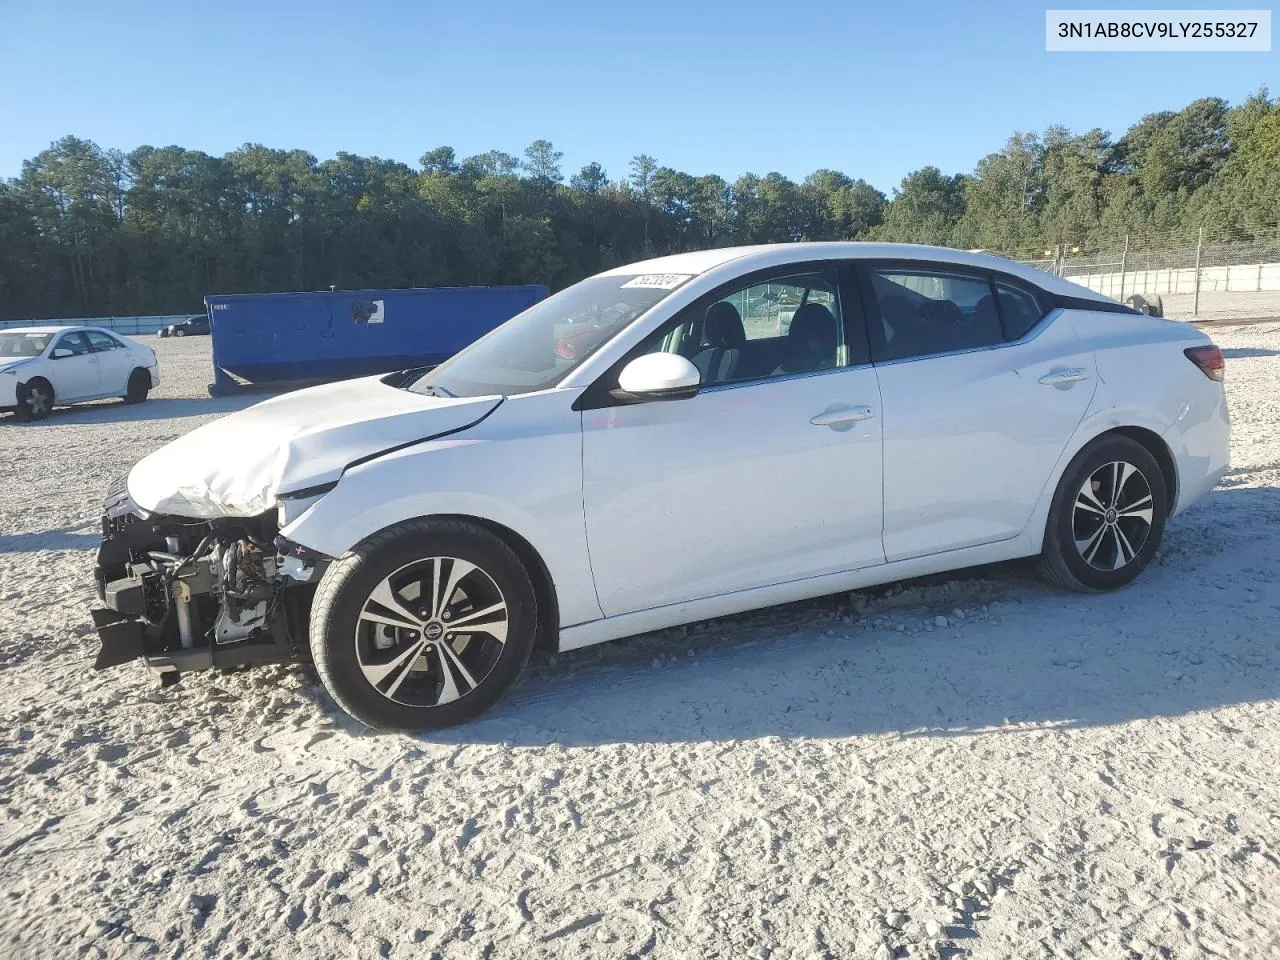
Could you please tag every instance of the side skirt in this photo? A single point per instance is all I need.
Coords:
(659, 618)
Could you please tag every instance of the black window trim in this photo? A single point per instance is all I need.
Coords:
(1064, 302)
(871, 309)
(597, 395)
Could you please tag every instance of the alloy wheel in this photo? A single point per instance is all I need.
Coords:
(1112, 516)
(431, 632)
(37, 401)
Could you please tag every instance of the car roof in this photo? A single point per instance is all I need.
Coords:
(780, 254)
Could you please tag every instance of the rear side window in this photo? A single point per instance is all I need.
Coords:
(102, 342)
(924, 312)
(1019, 310)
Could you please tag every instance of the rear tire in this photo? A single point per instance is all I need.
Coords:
(405, 661)
(1107, 518)
(139, 386)
(35, 400)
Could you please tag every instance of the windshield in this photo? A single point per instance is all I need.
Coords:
(23, 344)
(536, 349)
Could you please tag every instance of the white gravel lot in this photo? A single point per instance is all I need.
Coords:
(1047, 775)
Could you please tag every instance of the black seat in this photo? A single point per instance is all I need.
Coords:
(811, 341)
(723, 331)
(944, 321)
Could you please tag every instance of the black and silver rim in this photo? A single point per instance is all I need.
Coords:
(1112, 516)
(37, 401)
(431, 632)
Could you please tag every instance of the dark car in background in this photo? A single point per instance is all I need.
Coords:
(197, 326)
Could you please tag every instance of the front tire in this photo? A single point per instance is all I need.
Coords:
(424, 625)
(35, 400)
(1107, 518)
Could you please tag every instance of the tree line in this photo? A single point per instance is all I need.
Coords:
(86, 231)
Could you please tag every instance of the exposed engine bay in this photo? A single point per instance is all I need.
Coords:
(187, 594)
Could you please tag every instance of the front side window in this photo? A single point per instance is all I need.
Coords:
(538, 348)
(102, 342)
(771, 328)
(75, 342)
(924, 312)
(23, 344)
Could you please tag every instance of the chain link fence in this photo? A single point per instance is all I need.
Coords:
(1196, 276)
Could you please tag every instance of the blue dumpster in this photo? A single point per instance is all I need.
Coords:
(261, 338)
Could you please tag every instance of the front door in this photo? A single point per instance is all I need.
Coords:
(75, 375)
(771, 473)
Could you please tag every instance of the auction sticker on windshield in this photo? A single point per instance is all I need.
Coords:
(658, 281)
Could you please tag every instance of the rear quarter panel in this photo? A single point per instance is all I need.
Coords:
(1145, 380)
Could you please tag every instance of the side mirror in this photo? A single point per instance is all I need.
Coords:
(60, 352)
(657, 376)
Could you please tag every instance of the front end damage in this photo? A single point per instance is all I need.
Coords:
(189, 594)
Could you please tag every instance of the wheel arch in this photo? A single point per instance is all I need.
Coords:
(544, 587)
(39, 378)
(1156, 446)
(1107, 423)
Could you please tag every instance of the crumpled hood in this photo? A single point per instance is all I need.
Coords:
(237, 466)
(7, 363)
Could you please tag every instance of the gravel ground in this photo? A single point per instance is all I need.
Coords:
(970, 766)
(1218, 305)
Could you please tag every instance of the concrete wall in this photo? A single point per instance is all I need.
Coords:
(1234, 278)
(125, 325)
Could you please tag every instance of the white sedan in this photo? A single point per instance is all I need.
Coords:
(665, 442)
(43, 366)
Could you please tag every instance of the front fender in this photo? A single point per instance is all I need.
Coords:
(502, 471)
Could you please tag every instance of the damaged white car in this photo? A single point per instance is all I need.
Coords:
(666, 442)
(44, 366)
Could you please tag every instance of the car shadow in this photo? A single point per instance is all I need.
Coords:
(1195, 632)
(66, 538)
(160, 408)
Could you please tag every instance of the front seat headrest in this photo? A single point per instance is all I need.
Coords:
(814, 323)
(723, 326)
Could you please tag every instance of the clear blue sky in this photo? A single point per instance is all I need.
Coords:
(875, 90)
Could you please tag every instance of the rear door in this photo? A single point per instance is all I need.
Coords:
(981, 389)
(75, 376)
(771, 473)
(115, 363)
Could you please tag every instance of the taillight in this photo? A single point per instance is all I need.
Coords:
(1210, 361)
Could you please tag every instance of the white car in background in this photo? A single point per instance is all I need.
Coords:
(44, 366)
(728, 429)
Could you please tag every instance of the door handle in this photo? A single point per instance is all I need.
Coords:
(1058, 377)
(841, 416)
